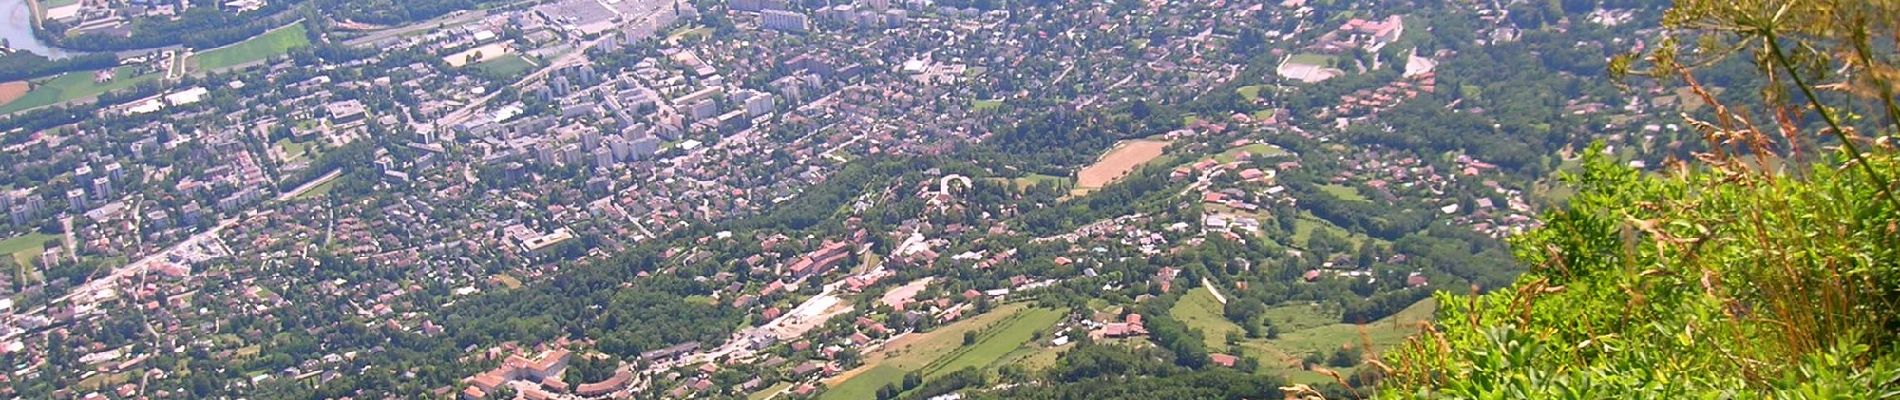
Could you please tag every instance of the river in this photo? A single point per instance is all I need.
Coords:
(16, 26)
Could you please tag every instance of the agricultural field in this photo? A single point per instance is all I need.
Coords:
(1304, 329)
(1002, 331)
(1119, 161)
(74, 85)
(277, 42)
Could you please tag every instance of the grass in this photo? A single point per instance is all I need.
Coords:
(505, 67)
(1304, 329)
(316, 191)
(277, 42)
(1343, 192)
(1304, 226)
(993, 344)
(865, 384)
(292, 150)
(768, 392)
(1199, 310)
(56, 3)
(1026, 181)
(1000, 332)
(985, 105)
(1250, 93)
(26, 248)
(75, 85)
(1259, 150)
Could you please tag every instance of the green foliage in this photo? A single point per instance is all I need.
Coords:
(1718, 283)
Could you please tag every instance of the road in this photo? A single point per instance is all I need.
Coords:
(578, 57)
(456, 18)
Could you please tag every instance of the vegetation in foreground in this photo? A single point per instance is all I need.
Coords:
(1732, 279)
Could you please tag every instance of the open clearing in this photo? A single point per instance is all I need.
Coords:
(1305, 329)
(479, 54)
(1000, 332)
(1343, 192)
(506, 66)
(1119, 161)
(982, 105)
(1254, 151)
(277, 42)
(26, 248)
(1309, 68)
(13, 90)
(75, 85)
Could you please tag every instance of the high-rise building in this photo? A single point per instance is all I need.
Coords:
(785, 21)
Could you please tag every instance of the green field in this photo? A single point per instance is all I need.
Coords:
(316, 191)
(1199, 310)
(1310, 59)
(985, 105)
(1305, 329)
(1000, 333)
(1026, 181)
(56, 3)
(1303, 230)
(273, 43)
(1250, 93)
(292, 150)
(74, 85)
(768, 392)
(1259, 150)
(26, 248)
(1343, 192)
(505, 67)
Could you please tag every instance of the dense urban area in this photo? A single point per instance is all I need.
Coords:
(845, 199)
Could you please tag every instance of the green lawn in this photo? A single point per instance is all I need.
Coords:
(56, 3)
(1250, 93)
(316, 191)
(273, 43)
(985, 105)
(26, 248)
(1259, 150)
(292, 150)
(74, 85)
(1343, 192)
(1310, 59)
(505, 67)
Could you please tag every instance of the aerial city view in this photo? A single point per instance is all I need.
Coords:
(949, 199)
